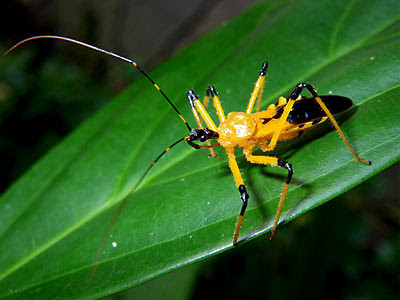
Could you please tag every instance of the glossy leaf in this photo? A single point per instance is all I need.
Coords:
(53, 218)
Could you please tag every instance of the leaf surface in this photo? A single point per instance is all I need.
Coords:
(53, 218)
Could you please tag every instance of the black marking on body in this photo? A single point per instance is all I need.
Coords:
(265, 120)
(301, 125)
(300, 133)
(279, 111)
(308, 110)
(316, 121)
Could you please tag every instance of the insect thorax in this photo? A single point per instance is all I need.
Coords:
(236, 130)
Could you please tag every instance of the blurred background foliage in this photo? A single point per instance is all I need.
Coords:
(345, 249)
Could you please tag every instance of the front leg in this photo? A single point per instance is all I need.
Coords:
(195, 103)
(200, 126)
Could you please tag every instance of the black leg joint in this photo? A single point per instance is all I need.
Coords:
(191, 97)
(245, 197)
(211, 89)
(264, 68)
(287, 166)
(299, 88)
(296, 93)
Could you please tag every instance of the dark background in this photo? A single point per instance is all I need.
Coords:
(346, 249)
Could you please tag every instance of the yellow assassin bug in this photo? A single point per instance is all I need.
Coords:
(285, 120)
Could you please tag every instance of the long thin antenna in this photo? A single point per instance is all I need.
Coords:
(56, 37)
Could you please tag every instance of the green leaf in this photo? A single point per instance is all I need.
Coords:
(53, 218)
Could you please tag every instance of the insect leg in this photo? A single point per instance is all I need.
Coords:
(279, 126)
(258, 89)
(217, 103)
(194, 102)
(274, 161)
(201, 134)
(206, 98)
(196, 146)
(200, 125)
(296, 93)
(242, 190)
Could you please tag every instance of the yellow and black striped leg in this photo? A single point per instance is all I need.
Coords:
(258, 89)
(242, 190)
(296, 93)
(274, 161)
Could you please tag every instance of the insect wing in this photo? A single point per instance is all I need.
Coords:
(308, 110)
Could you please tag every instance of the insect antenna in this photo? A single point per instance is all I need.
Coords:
(56, 37)
(120, 209)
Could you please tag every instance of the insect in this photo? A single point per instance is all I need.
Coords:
(285, 120)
